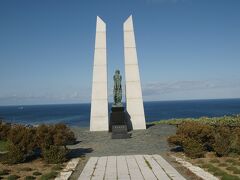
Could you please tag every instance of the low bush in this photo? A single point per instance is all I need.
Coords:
(54, 154)
(222, 144)
(176, 140)
(196, 138)
(193, 148)
(4, 130)
(14, 155)
(24, 142)
(235, 145)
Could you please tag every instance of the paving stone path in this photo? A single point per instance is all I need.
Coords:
(99, 144)
(136, 167)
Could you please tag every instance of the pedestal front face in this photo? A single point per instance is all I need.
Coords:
(117, 116)
(118, 124)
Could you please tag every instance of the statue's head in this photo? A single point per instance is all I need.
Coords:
(117, 71)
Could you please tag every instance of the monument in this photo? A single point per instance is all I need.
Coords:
(118, 124)
(99, 120)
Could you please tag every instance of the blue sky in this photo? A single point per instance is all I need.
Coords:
(187, 49)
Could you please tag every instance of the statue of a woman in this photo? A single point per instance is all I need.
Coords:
(117, 90)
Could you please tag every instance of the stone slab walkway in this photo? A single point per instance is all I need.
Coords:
(135, 167)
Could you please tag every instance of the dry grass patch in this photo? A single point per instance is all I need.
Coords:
(226, 168)
(32, 170)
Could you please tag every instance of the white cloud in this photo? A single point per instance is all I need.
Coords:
(189, 87)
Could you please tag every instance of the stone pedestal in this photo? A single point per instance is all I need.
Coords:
(118, 124)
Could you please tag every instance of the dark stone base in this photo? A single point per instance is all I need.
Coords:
(118, 125)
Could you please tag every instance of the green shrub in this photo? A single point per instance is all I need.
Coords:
(222, 139)
(12, 177)
(4, 130)
(176, 140)
(23, 137)
(44, 136)
(14, 154)
(222, 144)
(23, 142)
(58, 134)
(36, 173)
(193, 148)
(29, 178)
(3, 145)
(235, 144)
(55, 154)
(198, 131)
(62, 135)
(48, 176)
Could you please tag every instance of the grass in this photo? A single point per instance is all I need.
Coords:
(29, 178)
(231, 161)
(200, 161)
(36, 173)
(237, 163)
(48, 176)
(223, 165)
(58, 167)
(229, 177)
(214, 161)
(233, 169)
(3, 146)
(26, 169)
(148, 164)
(216, 171)
(12, 177)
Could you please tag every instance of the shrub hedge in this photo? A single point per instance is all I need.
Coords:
(49, 140)
(196, 138)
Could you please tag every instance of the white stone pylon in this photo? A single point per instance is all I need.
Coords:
(134, 101)
(99, 102)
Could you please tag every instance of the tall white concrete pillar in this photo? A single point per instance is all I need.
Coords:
(99, 102)
(134, 101)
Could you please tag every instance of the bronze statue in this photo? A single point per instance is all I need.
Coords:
(117, 90)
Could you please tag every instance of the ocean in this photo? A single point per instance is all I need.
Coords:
(79, 114)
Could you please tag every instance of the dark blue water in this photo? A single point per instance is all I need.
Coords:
(79, 114)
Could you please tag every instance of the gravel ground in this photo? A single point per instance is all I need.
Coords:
(153, 140)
